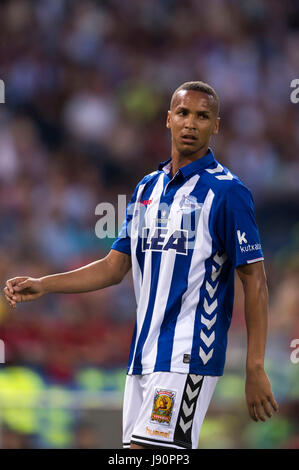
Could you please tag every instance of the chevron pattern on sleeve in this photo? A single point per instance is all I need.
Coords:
(210, 304)
(219, 169)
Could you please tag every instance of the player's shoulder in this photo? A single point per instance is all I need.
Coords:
(145, 185)
(224, 182)
(149, 178)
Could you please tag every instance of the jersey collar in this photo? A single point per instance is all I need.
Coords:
(191, 168)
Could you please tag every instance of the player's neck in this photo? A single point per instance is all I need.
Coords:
(179, 160)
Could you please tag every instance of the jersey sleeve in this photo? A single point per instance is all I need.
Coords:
(236, 226)
(123, 241)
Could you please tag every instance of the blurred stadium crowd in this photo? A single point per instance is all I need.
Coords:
(88, 85)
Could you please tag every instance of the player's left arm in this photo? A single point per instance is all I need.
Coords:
(259, 396)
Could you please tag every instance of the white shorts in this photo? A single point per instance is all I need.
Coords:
(165, 409)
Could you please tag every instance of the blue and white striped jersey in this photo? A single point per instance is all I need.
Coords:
(185, 236)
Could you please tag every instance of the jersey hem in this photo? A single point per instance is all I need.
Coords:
(150, 442)
(122, 250)
(197, 371)
(261, 258)
(248, 261)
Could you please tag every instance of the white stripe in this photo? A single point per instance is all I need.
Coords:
(191, 394)
(208, 340)
(202, 250)
(195, 378)
(229, 176)
(155, 443)
(205, 357)
(150, 215)
(136, 272)
(220, 259)
(208, 323)
(168, 258)
(218, 169)
(186, 409)
(185, 426)
(209, 309)
(210, 289)
(215, 273)
(255, 260)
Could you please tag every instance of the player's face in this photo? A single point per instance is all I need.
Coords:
(192, 120)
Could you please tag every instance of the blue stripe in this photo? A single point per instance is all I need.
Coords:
(174, 302)
(224, 295)
(156, 261)
(173, 308)
(146, 194)
(195, 358)
(132, 347)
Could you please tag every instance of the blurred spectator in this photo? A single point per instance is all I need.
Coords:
(14, 440)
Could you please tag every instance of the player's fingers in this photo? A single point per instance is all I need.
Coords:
(267, 408)
(23, 297)
(11, 302)
(259, 410)
(8, 298)
(11, 283)
(273, 403)
(9, 286)
(22, 285)
(7, 292)
(252, 413)
(17, 298)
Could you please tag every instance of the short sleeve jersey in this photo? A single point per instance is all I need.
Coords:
(186, 234)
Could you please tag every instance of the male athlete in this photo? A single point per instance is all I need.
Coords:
(188, 226)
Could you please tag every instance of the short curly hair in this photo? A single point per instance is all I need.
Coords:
(198, 86)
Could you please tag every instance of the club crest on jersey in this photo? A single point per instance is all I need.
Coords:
(163, 239)
(189, 203)
(162, 406)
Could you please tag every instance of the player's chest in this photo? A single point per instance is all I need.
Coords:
(169, 223)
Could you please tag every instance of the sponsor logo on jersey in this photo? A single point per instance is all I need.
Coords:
(154, 432)
(163, 239)
(162, 406)
(256, 246)
(146, 202)
(241, 237)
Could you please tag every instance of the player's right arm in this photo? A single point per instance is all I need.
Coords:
(94, 276)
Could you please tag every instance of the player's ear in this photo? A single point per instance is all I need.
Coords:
(216, 127)
(168, 120)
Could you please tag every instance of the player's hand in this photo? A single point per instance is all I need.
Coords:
(259, 396)
(22, 289)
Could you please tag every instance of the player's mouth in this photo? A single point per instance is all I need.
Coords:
(189, 139)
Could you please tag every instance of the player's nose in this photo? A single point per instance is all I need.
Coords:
(190, 123)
